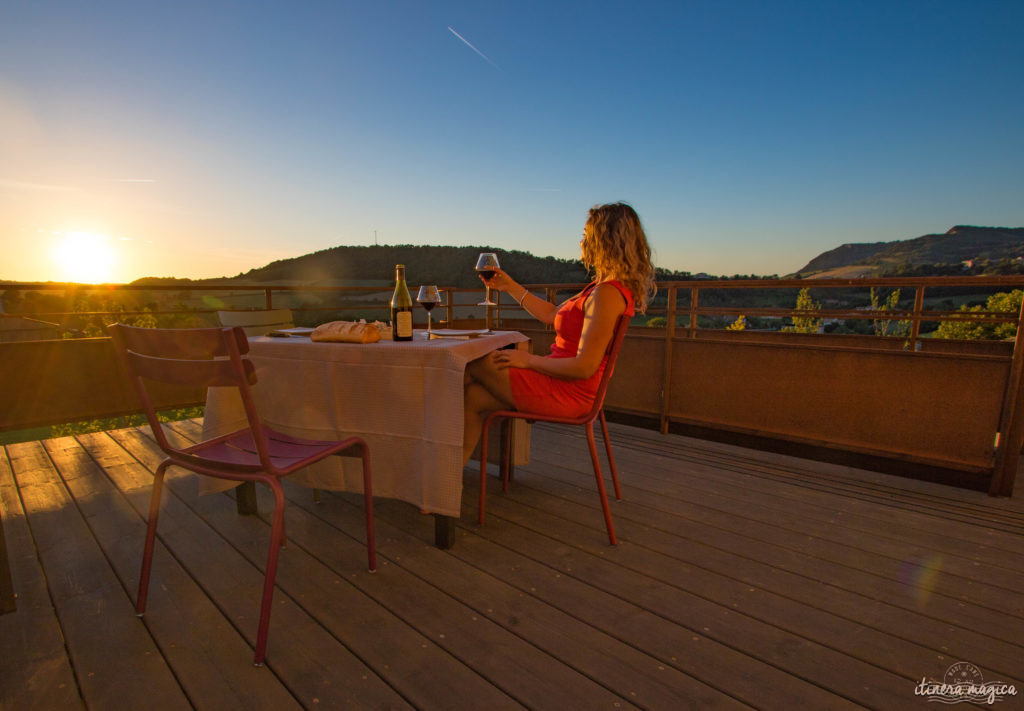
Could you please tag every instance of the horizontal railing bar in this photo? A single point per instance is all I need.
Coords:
(35, 315)
(701, 310)
(53, 286)
(987, 316)
(867, 282)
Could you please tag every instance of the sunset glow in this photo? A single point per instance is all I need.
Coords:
(84, 257)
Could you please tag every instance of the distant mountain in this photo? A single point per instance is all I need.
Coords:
(961, 243)
(846, 255)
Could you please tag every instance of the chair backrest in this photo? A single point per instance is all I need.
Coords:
(257, 323)
(197, 357)
(618, 336)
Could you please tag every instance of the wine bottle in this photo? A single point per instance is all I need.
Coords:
(401, 308)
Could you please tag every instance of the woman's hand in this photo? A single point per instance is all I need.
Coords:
(500, 281)
(510, 358)
(540, 309)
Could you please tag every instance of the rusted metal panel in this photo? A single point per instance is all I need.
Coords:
(636, 385)
(928, 408)
(50, 382)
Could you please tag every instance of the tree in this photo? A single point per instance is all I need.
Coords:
(982, 328)
(737, 325)
(805, 324)
(888, 327)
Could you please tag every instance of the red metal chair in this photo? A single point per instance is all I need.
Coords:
(207, 357)
(587, 420)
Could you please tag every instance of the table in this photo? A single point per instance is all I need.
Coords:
(403, 398)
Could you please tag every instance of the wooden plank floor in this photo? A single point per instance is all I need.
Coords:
(742, 579)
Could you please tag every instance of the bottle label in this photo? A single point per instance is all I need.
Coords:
(403, 324)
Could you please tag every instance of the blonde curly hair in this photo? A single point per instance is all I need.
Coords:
(614, 246)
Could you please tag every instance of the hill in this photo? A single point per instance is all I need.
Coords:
(959, 244)
(438, 265)
(449, 266)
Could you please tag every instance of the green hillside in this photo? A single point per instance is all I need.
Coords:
(961, 243)
(439, 265)
(846, 255)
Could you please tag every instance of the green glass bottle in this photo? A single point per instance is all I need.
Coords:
(401, 308)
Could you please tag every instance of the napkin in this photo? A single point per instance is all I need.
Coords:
(346, 332)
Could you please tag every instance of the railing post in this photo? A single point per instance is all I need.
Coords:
(694, 296)
(269, 298)
(915, 326)
(449, 295)
(666, 376)
(1011, 423)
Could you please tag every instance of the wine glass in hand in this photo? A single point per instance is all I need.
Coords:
(428, 297)
(486, 264)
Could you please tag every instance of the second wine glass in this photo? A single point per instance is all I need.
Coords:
(428, 297)
(486, 264)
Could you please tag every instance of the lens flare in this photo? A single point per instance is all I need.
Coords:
(921, 575)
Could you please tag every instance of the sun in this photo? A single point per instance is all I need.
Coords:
(85, 257)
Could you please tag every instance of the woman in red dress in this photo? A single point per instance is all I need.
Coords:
(565, 381)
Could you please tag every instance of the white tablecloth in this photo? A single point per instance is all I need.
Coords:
(403, 398)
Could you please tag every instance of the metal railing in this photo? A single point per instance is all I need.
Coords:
(375, 299)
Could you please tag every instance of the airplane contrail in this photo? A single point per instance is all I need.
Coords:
(470, 45)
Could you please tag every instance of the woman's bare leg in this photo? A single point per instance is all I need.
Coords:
(487, 389)
(497, 381)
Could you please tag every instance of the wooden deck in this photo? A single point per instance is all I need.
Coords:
(743, 579)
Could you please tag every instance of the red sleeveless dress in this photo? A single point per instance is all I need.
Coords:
(541, 393)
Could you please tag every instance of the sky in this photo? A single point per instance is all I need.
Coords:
(204, 139)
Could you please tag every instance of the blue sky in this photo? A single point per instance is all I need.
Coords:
(205, 139)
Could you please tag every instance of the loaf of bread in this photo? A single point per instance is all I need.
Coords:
(346, 332)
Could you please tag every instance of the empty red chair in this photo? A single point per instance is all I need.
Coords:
(205, 357)
(587, 420)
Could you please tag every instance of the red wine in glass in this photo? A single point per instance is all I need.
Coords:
(486, 264)
(428, 297)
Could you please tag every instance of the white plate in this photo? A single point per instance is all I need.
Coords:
(297, 331)
(458, 333)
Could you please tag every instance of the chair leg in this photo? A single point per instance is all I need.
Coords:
(600, 483)
(276, 536)
(371, 547)
(506, 452)
(483, 470)
(147, 551)
(611, 459)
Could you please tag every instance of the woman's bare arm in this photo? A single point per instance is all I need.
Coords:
(543, 311)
